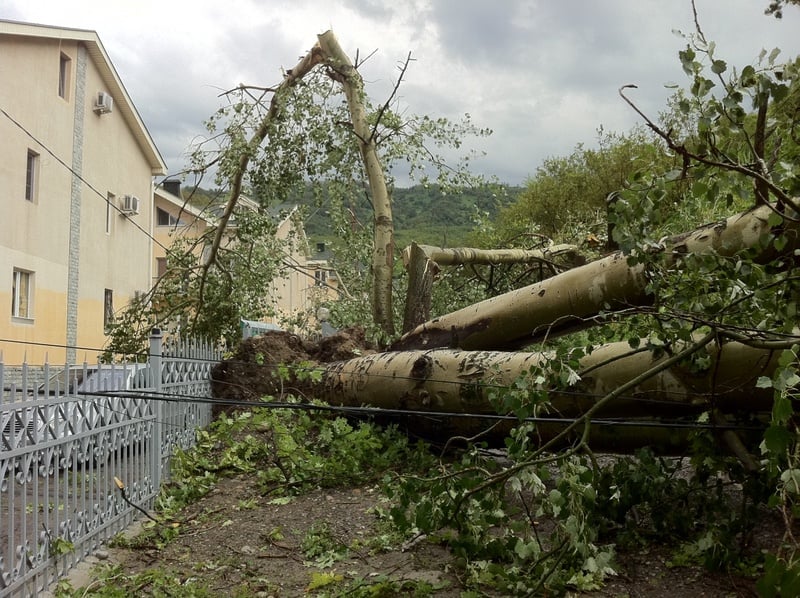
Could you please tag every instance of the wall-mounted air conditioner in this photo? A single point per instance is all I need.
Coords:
(130, 204)
(103, 103)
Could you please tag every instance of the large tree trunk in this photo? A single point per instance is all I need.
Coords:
(570, 300)
(441, 386)
(422, 263)
(383, 250)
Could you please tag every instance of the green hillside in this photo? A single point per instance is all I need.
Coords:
(421, 213)
(424, 214)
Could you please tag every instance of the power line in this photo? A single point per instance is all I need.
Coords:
(380, 411)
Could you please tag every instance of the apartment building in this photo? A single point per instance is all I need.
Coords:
(76, 191)
(84, 227)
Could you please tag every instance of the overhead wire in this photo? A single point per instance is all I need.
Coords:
(382, 411)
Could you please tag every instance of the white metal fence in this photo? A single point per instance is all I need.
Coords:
(67, 432)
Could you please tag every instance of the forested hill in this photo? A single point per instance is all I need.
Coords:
(421, 213)
(426, 214)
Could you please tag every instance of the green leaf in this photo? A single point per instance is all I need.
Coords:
(782, 409)
(764, 382)
(718, 67)
(777, 439)
(791, 480)
(774, 219)
(748, 77)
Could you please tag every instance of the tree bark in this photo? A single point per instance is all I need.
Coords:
(422, 264)
(455, 256)
(438, 387)
(383, 250)
(570, 300)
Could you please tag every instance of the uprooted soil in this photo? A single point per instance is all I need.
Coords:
(238, 542)
(253, 371)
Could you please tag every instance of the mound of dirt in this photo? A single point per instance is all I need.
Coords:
(253, 370)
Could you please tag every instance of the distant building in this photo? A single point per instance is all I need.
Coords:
(76, 172)
(310, 280)
(174, 218)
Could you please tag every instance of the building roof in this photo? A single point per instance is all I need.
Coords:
(179, 202)
(98, 55)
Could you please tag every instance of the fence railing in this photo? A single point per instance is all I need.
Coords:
(66, 433)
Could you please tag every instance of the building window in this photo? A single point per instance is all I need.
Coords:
(31, 175)
(110, 199)
(164, 218)
(108, 309)
(320, 277)
(161, 266)
(63, 76)
(21, 294)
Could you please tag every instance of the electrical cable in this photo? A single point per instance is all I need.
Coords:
(121, 486)
(380, 411)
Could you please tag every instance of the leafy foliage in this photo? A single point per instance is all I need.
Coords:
(274, 145)
(735, 149)
(568, 197)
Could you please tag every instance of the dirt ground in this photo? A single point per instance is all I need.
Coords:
(240, 543)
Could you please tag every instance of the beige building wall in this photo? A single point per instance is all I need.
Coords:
(288, 292)
(77, 249)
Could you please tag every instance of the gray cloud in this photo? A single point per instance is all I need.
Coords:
(542, 74)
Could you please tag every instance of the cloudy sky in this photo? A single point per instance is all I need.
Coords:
(542, 74)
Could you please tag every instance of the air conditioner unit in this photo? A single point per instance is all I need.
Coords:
(130, 204)
(104, 103)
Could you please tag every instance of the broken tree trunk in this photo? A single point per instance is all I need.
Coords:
(383, 250)
(440, 386)
(422, 263)
(569, 301)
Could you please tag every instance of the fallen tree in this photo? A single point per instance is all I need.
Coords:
(614, 384)
(625, 395)
(423, 262)
(568, 301)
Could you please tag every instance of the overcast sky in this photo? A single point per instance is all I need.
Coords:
(542, 74)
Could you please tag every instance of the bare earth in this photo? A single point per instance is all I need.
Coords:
(239, 544)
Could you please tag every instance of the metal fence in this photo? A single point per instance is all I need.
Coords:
(67, 432)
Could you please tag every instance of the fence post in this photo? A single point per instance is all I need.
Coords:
(156, 461)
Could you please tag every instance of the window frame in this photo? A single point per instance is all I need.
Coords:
(108, 309)
(161, 266)
(110, 211)
(165, 218)
(22, 294)
(32, 176)
(64, 72)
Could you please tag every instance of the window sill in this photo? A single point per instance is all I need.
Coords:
(24, 321)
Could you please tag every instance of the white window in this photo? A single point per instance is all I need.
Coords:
(110, 205)
(21, 288)
(64, 69)
(108, 309)
(164, 218)
(31, 175)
